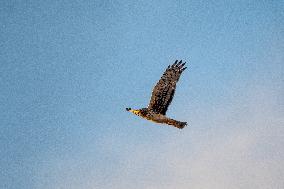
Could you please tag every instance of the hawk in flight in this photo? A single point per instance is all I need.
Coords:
(162, 96)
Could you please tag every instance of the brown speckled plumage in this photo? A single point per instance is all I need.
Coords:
(162, 96)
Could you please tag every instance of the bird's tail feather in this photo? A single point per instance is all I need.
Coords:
(180, 124)
(176, 123)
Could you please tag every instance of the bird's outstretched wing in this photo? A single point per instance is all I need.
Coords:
(164, 90)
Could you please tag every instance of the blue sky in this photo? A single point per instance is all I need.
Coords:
(69, 70)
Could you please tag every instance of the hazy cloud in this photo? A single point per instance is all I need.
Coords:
(243, 148)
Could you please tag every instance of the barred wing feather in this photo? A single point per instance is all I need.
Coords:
(163, 92)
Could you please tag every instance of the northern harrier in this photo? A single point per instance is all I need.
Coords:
(162, 96)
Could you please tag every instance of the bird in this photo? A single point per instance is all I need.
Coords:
(162, 96)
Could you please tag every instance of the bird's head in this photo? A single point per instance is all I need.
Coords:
(139, 112)
(133, 111)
